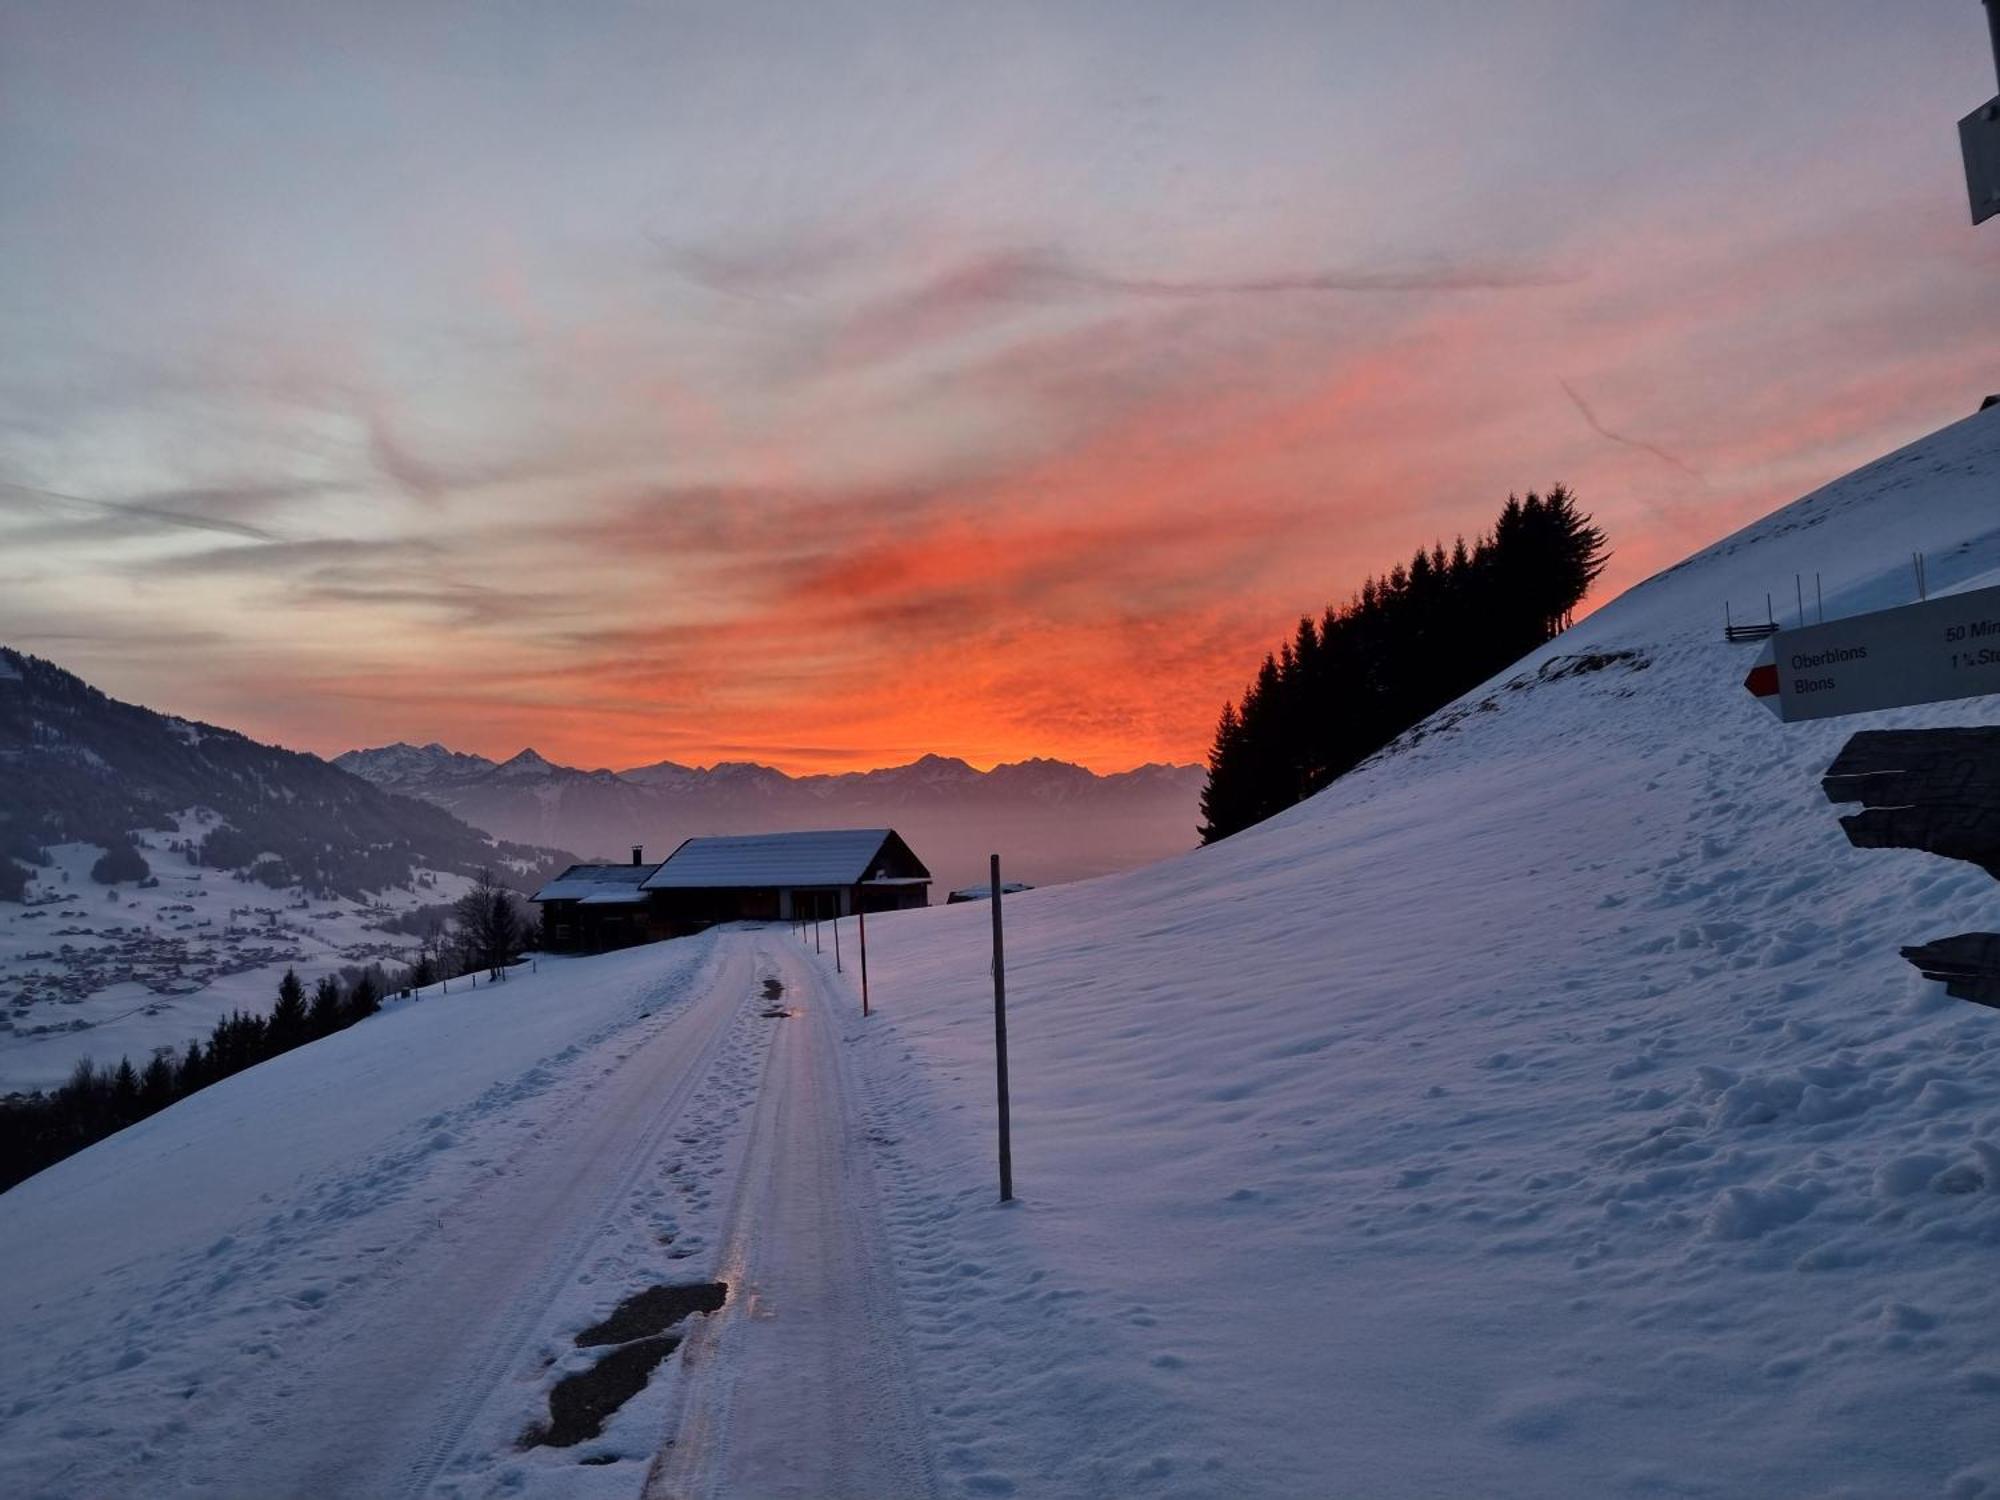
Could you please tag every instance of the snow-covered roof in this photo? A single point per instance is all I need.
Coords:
(619, 895)
(833, 856)
(580, 882)
(985, 892)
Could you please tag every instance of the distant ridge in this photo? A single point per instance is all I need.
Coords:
(77, 766)
(1063, 820)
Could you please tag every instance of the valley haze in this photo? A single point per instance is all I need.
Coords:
(1052, 821)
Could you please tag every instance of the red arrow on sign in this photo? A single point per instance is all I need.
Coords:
(1763, 680)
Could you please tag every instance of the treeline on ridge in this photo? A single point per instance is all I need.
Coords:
(1348, 683)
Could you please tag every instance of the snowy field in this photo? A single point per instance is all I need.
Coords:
(105, 972)
(1544, 1110)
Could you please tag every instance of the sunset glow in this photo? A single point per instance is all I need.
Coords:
(828, 387)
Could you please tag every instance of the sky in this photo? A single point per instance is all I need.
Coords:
(827, 384)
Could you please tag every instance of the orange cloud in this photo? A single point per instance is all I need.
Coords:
(1106, 498)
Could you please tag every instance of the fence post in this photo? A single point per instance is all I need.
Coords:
(836, 944)
(861, 921)
(1000, 1042)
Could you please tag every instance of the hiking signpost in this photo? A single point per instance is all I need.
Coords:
(1936, 790)
(1919, 653)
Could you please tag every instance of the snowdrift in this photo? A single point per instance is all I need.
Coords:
(1542, 1110)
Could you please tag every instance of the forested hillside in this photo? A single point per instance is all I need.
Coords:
(77, 766)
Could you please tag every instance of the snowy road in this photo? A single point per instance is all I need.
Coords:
(801, 1387)
(390, 1324)
(460, 1303)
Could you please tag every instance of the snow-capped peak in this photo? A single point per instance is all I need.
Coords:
(529, 762)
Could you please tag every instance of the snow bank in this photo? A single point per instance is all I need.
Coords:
(173, 1183)
(1543, 1110)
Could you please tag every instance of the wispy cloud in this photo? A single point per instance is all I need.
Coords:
(137, 515)
(277, 558)
(1590, 420)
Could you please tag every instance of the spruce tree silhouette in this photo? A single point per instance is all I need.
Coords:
(1404, 646)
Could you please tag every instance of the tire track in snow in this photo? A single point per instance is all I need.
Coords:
(802, 1387)
(711, 1015)
(382, 1397)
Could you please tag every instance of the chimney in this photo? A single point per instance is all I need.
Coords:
(637, 851)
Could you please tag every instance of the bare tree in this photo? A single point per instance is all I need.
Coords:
(488, 927)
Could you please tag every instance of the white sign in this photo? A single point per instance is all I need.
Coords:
(1921, 653)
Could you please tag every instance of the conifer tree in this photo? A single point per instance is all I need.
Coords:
(287, 1026)
(1220, 812)
(156, 1084)
(192, 1074)
(363, 998)
(124, 1094)
(325, 1018)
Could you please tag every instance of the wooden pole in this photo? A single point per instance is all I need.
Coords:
(1000, 1042)
(861, 920)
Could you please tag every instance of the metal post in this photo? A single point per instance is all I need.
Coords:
(1798, 584)
(861, 921)
(836, 943)
(1819, 598)
(816, 944)
(1993, 27)
(1000, 1042)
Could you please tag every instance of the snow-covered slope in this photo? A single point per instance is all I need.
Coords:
(1543, 1110)
(261, 1289)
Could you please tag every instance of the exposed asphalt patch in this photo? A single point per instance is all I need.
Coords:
(580, 1403)
(652, 1311)
(774, 991)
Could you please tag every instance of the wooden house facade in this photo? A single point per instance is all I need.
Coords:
(782, 877)
(594, 908)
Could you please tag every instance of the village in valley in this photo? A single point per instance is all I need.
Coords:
(98, 971)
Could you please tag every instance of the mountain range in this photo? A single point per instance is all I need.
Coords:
(1049, 819)
(77, 766)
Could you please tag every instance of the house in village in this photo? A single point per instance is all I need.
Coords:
(770, 877)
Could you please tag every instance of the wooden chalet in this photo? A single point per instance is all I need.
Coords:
(782, 877)
(593, 908)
